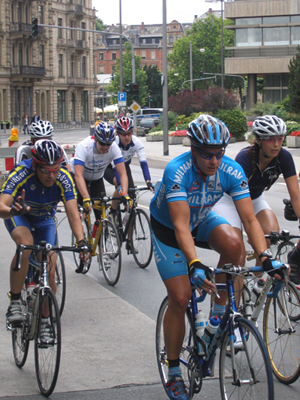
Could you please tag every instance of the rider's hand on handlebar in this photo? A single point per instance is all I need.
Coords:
(150, 186)
(200, 274)
(85, 248)
(272, 267)
(86, 203)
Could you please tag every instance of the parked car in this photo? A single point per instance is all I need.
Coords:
(149, 123)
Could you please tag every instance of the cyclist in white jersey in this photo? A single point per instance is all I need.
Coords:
(92, 156)
(181, 219)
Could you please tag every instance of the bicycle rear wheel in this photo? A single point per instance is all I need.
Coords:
(245, 373)
(140, 239)
(77, 260)
(60, 281)
(47, 354)
(20, 344)
(189, 362)
(283, 345)
(110, 253)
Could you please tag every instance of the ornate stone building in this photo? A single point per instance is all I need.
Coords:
(53, 73)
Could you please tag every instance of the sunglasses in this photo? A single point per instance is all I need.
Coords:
(208, 155)
(47, 171)
(274, 138)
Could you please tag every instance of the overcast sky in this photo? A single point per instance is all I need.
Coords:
(135, 12)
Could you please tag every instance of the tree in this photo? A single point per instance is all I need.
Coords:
(154, 86)
(205, 33)
(294, 81)
(100, 26)
(140, 77)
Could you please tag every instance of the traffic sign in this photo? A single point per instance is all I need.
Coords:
(122, 99)
(135, 106)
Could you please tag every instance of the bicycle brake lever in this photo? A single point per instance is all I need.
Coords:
(211, 275)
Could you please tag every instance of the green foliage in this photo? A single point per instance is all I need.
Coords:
(182, 119)
(153, 83)
(100, 26)
(292, 126)
(294, 81)
(235, 120)
(140, 77)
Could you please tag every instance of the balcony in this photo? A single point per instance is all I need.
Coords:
(61, 42)
(78, 45)
(77, 81)
(76, 10)
(20, 29)
(24, 70)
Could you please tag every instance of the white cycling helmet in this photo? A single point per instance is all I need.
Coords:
(41, 130)
(268, 125)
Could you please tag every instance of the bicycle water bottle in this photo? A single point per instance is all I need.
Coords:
(31, 295)
(257, 289)
(95, 227)
(200, 324)
(210, 330)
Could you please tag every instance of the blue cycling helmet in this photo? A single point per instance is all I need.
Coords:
(207, 131)
(104, 133)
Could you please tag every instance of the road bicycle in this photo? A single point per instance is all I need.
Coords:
(136, 230)
(281, 314)
(41, 302)
(244, 372)
(105, 242)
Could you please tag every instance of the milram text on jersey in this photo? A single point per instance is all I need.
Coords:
(182, 181)
(41, 199)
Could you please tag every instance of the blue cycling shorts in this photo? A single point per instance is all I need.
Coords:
(169, 259)
(41, 230)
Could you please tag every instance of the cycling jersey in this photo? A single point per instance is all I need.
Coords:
(135, 147)
(94, 163)
(24, 153)
(182, 181)
(261, 179)
(42, 200)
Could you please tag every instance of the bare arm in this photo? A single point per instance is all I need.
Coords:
(293, 189)
(123, 176)
(80, 182)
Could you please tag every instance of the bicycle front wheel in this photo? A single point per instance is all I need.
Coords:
(245, 372)
(77, 260)
(110, 253)
(60, 281)
(48, 343)
(189, 363)
(282, 334)
(141, 240)
(20, 344)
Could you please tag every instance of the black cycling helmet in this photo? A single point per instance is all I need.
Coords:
(207, 131)
(124, 125)
(47, 151)
(40, 130)
(268, 125)
(104, 133)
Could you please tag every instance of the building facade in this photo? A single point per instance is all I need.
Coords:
(267, 33)
(146, 40)
(52, 74)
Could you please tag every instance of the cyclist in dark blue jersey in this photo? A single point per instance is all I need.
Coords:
(43, 183)
(182, 218)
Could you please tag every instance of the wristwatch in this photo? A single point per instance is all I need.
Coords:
(265, 253)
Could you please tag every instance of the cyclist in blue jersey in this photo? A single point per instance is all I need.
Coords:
(43, 183)
(263, 163)
(182, 218)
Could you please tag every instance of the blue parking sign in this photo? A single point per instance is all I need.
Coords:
(122, 96)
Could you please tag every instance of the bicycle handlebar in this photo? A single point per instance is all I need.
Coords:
(284, 235)
(45, 248)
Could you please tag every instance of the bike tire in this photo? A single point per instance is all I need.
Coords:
(60, 281)
(141, 239)
(20, 344)
(77, 260)
(47, 357)
(110, 259)
(234, 364)
(189, 362)
(283, 346)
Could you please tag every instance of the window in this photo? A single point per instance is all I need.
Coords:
(174, 27)
(83, 26)
(98, 41)
(248, 37)
(143, 54)
(113, 56)
(144, 41)
(101, 70)
(133, 40)
(41, 55)
(275, 20)
(41, 15)
(84, 106)
(248, 21)
(59, 23)
(101, 56)
(20, 54)
(153, 40)
(60, 65)
(72, 33)
(73, 107)
(83, 66)
(276, 37)
(73, 67)
(171, 39)
(178, 37)
(61, 106)
(295, 35)
(19, 12)
(153, 54)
